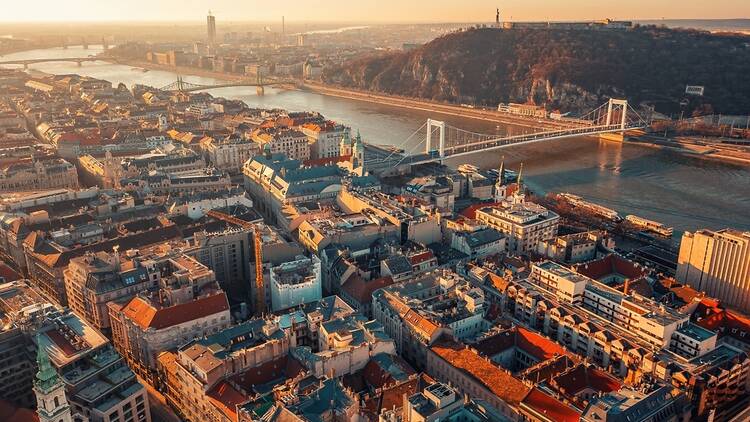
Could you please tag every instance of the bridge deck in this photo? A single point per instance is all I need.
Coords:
(381, 162)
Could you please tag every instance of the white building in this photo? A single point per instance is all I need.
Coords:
(525, 224)
(229, 154)
(717, 263)
(325, 139)
(295, 283)
(566, 284)
(646, 319)
(290, 142)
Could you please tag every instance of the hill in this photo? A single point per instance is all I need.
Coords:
(569, 70)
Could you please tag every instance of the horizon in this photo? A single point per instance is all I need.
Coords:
(342, 22)
(382, 12)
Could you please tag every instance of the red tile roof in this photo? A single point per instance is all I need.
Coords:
(711, 316)
(549, 408)
(393, 397)
(318, 162)
(611, 264)
(421, 257)
(471, 211)
(12, 413)
(226, 398)
(61, 342)
(423, 325)
(498, 381)
(361, 290)
(8, 273)
(376, 376)
(536, 345)
(143, 313)
(583, 377)
(283, 368)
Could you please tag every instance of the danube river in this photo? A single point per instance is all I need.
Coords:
(685, 192)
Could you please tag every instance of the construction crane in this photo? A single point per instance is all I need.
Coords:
(260, 297)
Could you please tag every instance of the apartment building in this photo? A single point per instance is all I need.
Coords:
(718, 263)
(325, 138)
(153, 322)
(525, 224)
(93, 280)
(196, 375)
(290, 142)
(229, 154)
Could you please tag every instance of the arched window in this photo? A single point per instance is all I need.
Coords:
(57, 402)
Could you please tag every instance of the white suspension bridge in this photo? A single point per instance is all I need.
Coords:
(442, 141)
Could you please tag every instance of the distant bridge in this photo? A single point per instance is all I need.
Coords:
(27, 62)
(259, 82)
(442, 141)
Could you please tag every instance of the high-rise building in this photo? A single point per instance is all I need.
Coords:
(717, 263)
(211, 26)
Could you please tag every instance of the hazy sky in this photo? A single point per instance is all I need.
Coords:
(365, 10)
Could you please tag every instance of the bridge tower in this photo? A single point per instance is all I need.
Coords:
(180, 84)
(259, 89)
(617, 105)
(441, 137)
(84, 43)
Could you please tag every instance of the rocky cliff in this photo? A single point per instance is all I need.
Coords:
(569, 70)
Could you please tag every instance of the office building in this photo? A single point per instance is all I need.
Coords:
(717, 263)
(211, 29)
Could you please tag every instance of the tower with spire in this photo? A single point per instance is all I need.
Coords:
(519, 197)
(52, 405)
(358, 152)
(501, 190)
(112, 172)
(345, 147)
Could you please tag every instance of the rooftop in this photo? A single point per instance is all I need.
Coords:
(497, 380)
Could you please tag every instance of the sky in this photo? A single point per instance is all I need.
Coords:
(369, 11)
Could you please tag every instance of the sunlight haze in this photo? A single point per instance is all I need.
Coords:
(365, 11)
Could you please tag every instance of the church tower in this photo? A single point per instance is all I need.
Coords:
(519, 197)
(163, 123)
(111, 172)
(358, 153)
(501, 189)
(345, 147)
(52, 405)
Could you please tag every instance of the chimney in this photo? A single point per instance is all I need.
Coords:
(627, 287)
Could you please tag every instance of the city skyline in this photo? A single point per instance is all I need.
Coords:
(369, 12)
(234, 211)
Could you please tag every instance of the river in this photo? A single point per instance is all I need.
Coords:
(685, 192)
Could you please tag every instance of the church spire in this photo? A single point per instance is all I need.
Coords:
(46, 377)
(520, 196)
(501, 172)
(52, 405)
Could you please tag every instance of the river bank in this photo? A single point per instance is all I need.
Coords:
(318, 88)
(677, 189)
(182, 70)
